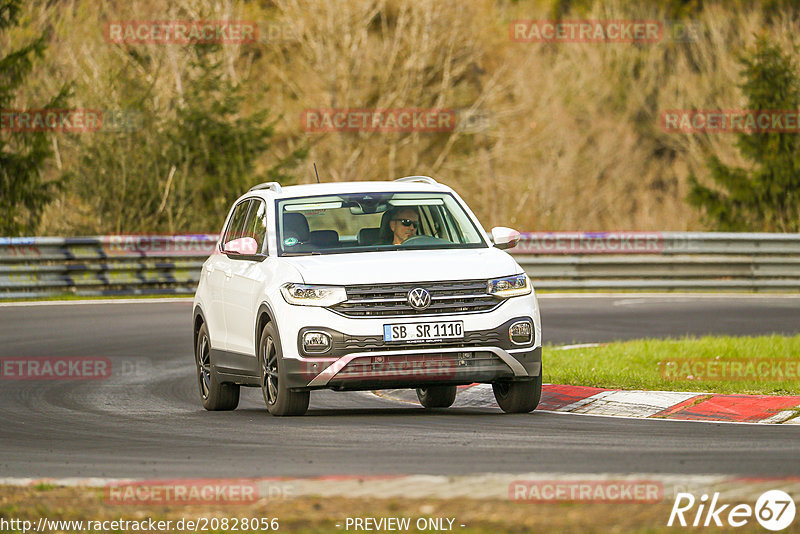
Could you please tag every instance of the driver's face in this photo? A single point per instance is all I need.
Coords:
(401, 231)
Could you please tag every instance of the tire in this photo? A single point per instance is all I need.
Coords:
(214, 395)
(518, 397)
(280, 400)
(437, 396)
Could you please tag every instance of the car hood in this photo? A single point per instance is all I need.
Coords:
(404, 266)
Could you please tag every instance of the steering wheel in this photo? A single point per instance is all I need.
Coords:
(415, 238)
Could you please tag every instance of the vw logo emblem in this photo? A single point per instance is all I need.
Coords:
(419, 298)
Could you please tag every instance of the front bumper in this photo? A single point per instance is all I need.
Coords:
(359, 359)
(414, 368)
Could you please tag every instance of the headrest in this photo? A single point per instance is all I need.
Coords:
(368, 236)
(295, 225)
(324, 238)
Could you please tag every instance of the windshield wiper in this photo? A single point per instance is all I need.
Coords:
(311, 253)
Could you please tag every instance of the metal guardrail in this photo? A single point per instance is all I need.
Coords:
(669, 261)
(664, 261)
(105, 265)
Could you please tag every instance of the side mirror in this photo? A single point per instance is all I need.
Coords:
(504, 238)
(246, 246)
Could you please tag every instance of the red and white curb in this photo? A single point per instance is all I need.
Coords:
(674, 405)
(671, 405)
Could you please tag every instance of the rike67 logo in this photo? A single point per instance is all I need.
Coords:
(774, 510)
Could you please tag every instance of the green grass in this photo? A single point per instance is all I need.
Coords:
(641, 364)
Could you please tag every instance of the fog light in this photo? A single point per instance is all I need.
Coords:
(521, 333)
(316, 342)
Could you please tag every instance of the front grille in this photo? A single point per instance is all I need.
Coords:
(376, 343)
(390, 300)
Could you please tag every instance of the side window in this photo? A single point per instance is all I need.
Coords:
(256, 224)
(235, 227)
(432, 222)
(426, 227)
(449, 226)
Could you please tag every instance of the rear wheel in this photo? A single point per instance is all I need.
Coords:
(214, 394)
(518, 397)
(280, 399)
(437, 396)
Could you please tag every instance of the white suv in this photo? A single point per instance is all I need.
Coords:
(359, 286)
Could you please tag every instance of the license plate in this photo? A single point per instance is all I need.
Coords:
(419, 332)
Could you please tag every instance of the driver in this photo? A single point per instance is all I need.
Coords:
(404, 224)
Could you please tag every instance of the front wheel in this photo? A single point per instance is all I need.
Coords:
(214, 394)
(518, 397)
(437, 396)
(280, 399)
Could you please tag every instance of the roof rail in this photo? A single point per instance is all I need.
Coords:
(272, 186)
(422, 179)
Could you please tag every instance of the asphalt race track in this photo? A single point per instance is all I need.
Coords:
(146, 421)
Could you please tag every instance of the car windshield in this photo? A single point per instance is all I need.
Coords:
(367, 222)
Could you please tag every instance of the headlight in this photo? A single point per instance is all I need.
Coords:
(510, 286)
(305, 295)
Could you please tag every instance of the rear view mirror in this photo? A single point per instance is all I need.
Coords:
(504, 238)
(244, 245)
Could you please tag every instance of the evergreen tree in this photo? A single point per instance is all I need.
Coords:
(216, 143)
(765, 197)
(23, 155)
(187, 158)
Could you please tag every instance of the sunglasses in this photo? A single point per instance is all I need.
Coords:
(408, 222)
